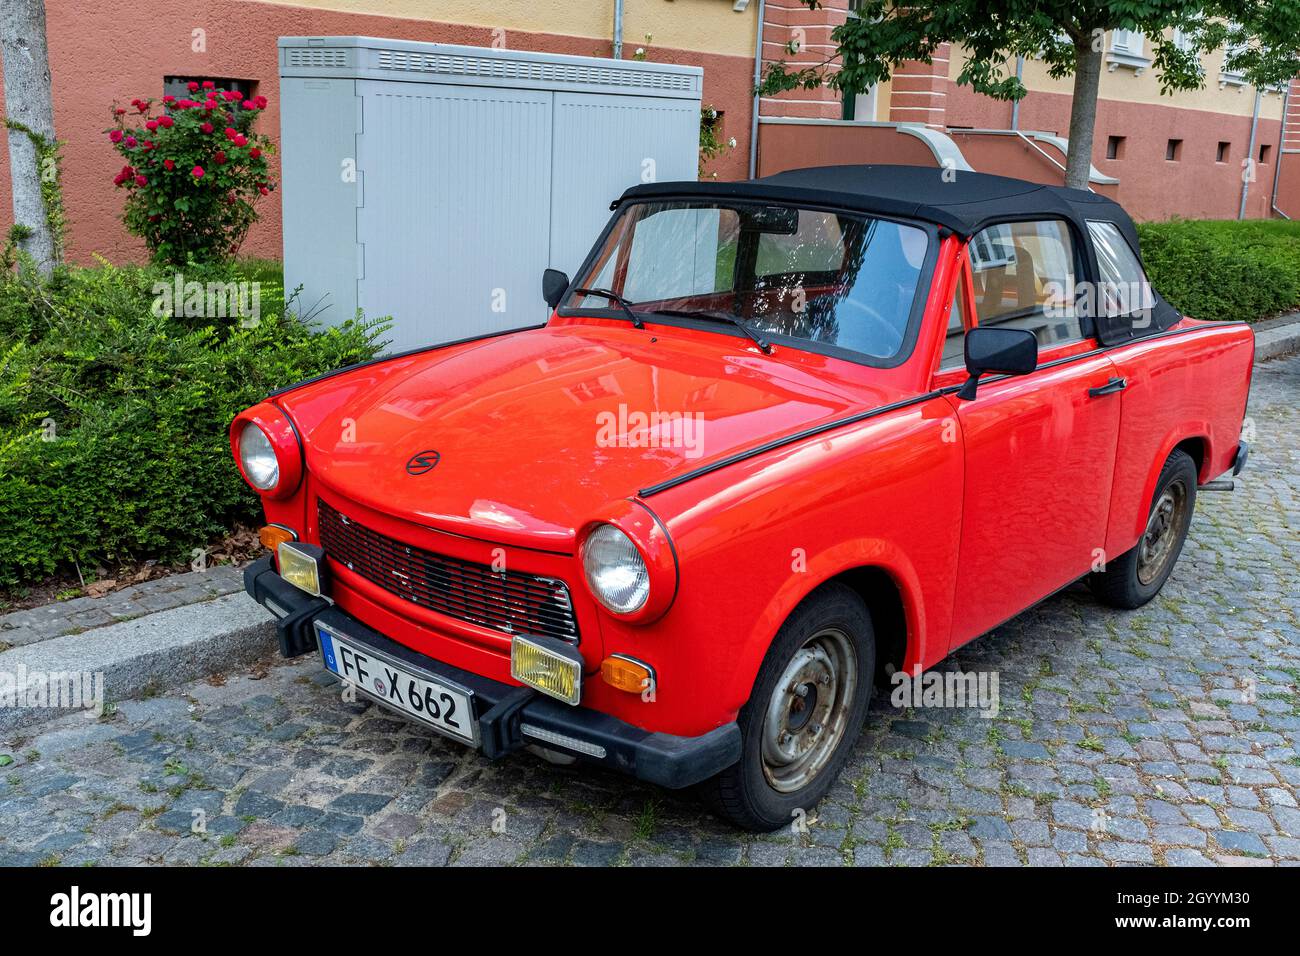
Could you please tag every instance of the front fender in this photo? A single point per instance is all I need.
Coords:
(811, 572)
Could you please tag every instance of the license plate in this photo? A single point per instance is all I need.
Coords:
(415, 693)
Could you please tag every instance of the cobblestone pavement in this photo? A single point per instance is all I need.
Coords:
(1166, 736)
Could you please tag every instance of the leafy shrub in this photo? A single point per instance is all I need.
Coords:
(194, 172)
(1220, 270)
(114, 415)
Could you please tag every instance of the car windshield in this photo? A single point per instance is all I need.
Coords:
(834, 278)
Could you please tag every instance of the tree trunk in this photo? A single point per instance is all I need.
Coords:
(29, 102)
(1083, 111)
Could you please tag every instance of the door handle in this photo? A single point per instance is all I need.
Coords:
(1110, 388)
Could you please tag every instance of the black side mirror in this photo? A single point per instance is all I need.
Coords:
(554, 282)
(1008, 351)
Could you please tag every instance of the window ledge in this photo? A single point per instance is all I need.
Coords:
(1130, 61)
(1231, 79)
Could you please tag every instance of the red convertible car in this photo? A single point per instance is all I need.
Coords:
(777, 439)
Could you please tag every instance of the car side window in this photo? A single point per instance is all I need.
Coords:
(1123, 288)
(1024, 276)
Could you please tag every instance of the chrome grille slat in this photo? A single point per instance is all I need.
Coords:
(511, 602)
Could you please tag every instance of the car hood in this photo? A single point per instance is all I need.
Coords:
(535, 431)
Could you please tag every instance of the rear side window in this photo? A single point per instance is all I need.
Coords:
(1123, 289)
(1024, 274)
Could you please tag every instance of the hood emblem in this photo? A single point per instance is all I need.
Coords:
(423, 462)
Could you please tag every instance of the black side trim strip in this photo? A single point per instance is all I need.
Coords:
(786, 440)
(388, 358)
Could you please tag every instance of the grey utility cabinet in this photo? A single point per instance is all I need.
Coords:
(434, 183)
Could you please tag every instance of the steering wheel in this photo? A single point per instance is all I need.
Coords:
(865, 323)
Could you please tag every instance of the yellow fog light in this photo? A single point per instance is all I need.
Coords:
(553, 667)
(300, 565)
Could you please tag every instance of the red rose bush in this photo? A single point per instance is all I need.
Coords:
(195, 169)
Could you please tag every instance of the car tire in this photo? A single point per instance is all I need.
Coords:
(793, 751)
(1137, 576)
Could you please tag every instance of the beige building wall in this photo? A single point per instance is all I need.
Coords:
(709, 26)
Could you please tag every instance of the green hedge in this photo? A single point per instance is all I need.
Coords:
(1214, 269)
(113, 419)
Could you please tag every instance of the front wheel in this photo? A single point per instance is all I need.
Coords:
(807, 708)
(1137, 576)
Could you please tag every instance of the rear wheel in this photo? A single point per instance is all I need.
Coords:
(807, 708)
(1137, 576)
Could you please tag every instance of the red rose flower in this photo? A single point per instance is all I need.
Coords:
(231, 96)
(197, 172)
(206, 128)
(115, 135)
(141, 181)
(169, 98)
(263, 190)
(148, 144)
(220, 158)
(192, 87)
(130, 142)
(166, 122)
(240, 140)
(248, 105)
(119, 112)
(168, 165)
(261, 102)
(208, 85)
(151, 125)
(142, 106)
(254, 152)
(231, 132)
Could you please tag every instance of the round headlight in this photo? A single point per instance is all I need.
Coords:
(615, 570)
(258, 458)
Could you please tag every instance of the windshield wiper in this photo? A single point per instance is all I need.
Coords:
(761, 342)
(614, 297)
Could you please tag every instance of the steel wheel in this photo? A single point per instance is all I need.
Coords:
(808, 711)
(1163, 528)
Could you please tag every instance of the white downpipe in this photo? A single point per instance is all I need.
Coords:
(1281, 147)
(1250, 154)
(618, 29)
(758, 77)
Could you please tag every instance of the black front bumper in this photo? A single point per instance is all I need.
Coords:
(503, 710)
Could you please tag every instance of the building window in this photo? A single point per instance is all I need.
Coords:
(1264, 152)
(1221, 154)
(179, 86)
(1115, 147)
(1174, 150)
(1127, 49)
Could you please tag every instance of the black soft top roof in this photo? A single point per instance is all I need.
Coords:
(965, 203)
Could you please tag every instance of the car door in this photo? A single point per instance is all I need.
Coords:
(1039, 448)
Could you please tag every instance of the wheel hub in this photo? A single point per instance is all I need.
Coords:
(807, 713)
(1162, 531)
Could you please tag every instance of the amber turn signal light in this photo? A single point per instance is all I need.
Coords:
(627, 673)
(273, 534)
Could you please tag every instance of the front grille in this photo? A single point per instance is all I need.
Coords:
(508, 601)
